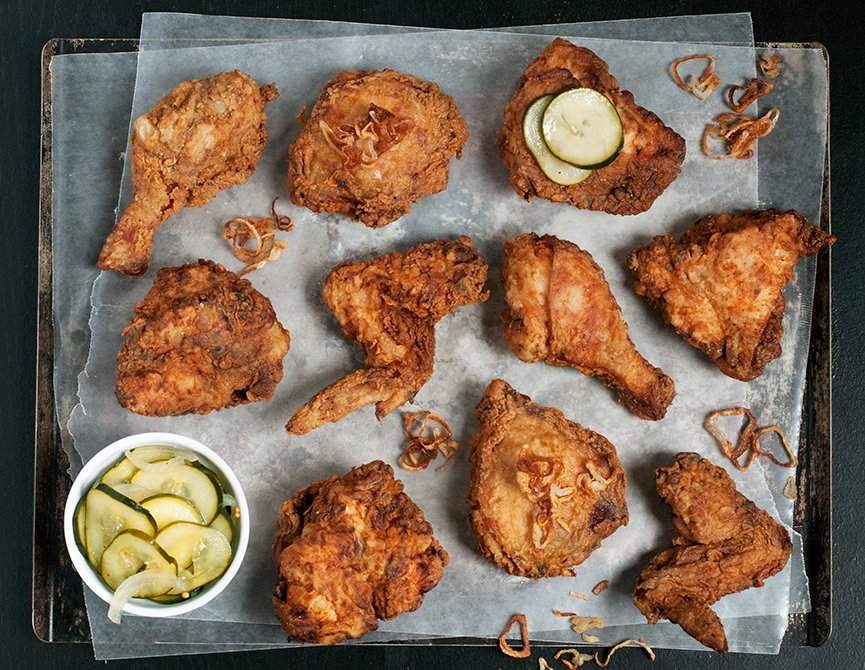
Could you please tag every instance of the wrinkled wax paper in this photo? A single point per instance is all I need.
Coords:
(473, 596)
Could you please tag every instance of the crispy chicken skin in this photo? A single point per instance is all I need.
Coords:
(351, 550)
(374, 143)
(721, 285)
(724, 545)
(389, 306)
(204, 136)
(560, 310)
(201, 340)
(544, 491)
(648, 163)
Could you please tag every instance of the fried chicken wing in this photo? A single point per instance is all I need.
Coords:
(351, 550)
(724, 544)
(201, 340)
(561, 310)
(648, 163)
(374, 143)
(390, 306)
(544, 490)
(721, 285)
(204, 136)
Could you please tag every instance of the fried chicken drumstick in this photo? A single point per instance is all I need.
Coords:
(202, 339)
(390, 306)
(544, 491)
(724, 545)
(721, 285)
(351, 550)
(204, 136)
(374, 143)
(648, 163)
(561, 310)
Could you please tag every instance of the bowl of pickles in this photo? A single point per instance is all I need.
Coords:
(156, 524)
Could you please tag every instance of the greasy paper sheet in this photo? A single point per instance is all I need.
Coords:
(471, 345)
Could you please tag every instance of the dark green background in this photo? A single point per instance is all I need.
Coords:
(25, 26)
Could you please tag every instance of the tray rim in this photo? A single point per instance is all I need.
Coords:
(58, 611)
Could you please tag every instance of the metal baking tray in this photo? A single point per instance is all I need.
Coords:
(59, 612)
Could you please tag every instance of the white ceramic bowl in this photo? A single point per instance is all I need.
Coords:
(91, 473)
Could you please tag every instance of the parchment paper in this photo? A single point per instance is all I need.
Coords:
(471, 346)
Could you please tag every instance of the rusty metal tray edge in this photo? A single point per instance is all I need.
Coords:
(58, 607)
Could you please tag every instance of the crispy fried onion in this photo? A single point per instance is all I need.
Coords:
(741, 132)
(423, 448)
(757, 88)
(601, 586)
(369, 137)
(537, 477)
(581, 624)
(626, 643)
(703, 86)
(578, 658)
(769, 66)
(263, 231)
(748, 440)
(593, 481)
(525, 652)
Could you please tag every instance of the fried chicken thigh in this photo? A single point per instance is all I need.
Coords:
(648, 163)
(544, 491)
(724, 544)
(721, 285)
(201, 340)
(390, 306)
(561, 310)
(374, 143)
(204, 136)
(351, 550)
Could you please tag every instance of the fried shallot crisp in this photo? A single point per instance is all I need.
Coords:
(351, 550)
(202, 339)
(544, 491)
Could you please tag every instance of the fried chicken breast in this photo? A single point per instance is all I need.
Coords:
(201, 340)
(648, 163)
(374, 143)
(721, 285)
(351, 550)
(561, 310)
(544, 490)
(204, 136)
(724, 544)
(389, 306)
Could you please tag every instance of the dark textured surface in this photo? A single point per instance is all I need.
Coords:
(26, 27)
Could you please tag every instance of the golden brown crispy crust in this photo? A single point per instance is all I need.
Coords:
(374, 143)
(721, 285)
(201, 340)
(561, 310)
(389, 306)
(351, 550)
(544, 491)
(724, 544)
(204, 136)
(650, 159)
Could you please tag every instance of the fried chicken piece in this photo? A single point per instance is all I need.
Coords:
(374, 143)
(648, 163)
(389, 306)
(201, 340)
(720, 286)
(351, 550)
(544, 491)
(204, 136)
(560, 310)
(724, 544)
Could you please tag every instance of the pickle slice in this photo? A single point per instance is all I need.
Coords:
(192, 482)
(582, 127)
(166, 508)
(108, 514)
(557, 170)
(129, 553)
(202, 553)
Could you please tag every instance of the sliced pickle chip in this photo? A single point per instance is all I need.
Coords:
(107, 514)
(166, 508)
(223, 524)
(582, 127)
(556, 169)
(132, 551)
(192, 482)
(202, 553)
